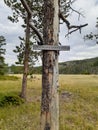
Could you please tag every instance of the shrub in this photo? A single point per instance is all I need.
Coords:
(11, 100)
(5, 77)
(86, 72)
(95, 63)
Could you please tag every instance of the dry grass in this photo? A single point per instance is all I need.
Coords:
(78, 104)
(79, 111)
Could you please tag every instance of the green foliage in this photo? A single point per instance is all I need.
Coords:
(92, 36)
(86, 72)
(2, 52)
(36, 7)
(37, 70)
(5, 77)
(19, 11)
(87, 66)
(20, 50)
(96, 63)
(16, 69)
(11, 100)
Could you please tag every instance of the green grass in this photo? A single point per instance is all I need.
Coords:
(5, 77)
(78, 111)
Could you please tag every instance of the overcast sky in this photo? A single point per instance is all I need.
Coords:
(79, 48)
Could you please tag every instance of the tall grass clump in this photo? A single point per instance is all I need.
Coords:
(10, 100)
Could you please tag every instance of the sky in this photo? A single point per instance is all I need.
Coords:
(79, 49)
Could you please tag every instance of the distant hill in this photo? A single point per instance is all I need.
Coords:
(87, 66)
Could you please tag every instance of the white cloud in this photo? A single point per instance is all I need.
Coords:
(79, 48)
(10, 31)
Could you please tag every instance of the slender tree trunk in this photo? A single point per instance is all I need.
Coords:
(26, 57)
(50, 97)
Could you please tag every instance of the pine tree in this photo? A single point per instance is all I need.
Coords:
(2, 53)
(26, 55)
(47, 31)
(92, 36)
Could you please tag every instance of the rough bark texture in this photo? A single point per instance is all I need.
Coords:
(50, 99)
(26, 57)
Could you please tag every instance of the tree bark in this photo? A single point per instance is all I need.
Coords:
(26, 57)
(50, 97)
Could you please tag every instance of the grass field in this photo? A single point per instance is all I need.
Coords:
(78, 104)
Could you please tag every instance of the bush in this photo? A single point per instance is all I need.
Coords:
(86, 72)
(95, 63)
(11, 100)
(5, 77)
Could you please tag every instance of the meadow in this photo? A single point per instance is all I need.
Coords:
(78, 103)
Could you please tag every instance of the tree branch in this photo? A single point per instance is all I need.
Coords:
(71, 32)
(80, 14)
(27, 8)
(71, 26)
(78, 27)
(25, 5)
(64, 19)
(36, 32)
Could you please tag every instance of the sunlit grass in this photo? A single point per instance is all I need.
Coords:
(78, 111)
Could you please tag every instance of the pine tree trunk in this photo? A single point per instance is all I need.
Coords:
(26, 57)
(50, 97)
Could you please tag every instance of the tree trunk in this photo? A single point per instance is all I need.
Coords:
(50, 98)
(26, 57)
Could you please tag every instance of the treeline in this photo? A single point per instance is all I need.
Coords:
(88, 66)
(13, 69)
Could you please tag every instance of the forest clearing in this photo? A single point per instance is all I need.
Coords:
(78, 103)
(36, 38)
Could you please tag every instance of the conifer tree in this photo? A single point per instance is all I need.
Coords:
(2, 53)
(47, 31)
(92, 36)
